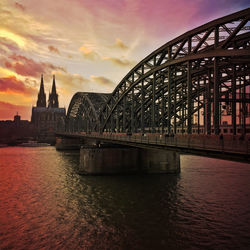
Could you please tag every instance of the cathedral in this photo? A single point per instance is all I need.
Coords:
(47, 119)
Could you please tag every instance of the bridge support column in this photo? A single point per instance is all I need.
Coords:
(108, 160)
(64, 143)
(154, 161)
(123, 160)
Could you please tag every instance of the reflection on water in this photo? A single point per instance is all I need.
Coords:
(44, 203)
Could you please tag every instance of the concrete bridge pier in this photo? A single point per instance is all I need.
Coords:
(67, 143)
(107, 160)
(155, 161)
(124, 160)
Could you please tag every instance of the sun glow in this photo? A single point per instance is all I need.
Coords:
(20, 41)
(6, 72)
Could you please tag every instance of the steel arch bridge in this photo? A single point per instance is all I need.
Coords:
(84, 111)
(196, 83)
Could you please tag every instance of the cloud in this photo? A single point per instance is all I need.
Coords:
(92, 55)
(19, 6)
(8, 45)
(119, 44)
(102, 80)
(71, 81)
(54, 49)
(28, 67)
(24, 29)
(14, 37)
(8, 110)
(4, 72)
(89, 54)
(120, 62)
(11, 84)
(25, 66)
(8, 64)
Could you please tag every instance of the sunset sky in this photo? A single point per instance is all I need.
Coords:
(89, 45)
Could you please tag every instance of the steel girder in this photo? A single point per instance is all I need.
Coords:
(84, 110)
(187, 83)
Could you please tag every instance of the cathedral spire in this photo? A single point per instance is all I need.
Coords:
(54, 85)
(53, 96)
(41, 100)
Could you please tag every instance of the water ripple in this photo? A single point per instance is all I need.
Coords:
(45, 204)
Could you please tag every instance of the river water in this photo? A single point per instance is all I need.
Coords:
(45, 204)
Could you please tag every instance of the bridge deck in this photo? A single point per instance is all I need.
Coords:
(229, 147)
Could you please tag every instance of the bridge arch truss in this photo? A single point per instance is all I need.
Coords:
(84, 111)
(195, 83)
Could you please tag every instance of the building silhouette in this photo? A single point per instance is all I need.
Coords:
(14, 132)
(47, 119)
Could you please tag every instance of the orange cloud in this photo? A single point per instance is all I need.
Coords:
(53, 49)
(102, 80)
(14, 37)
(28, 67)
(70, 80)
(8, 64)
(120, 62)
(7, 45)
(12, 85)
(119, 44)
(89, 54)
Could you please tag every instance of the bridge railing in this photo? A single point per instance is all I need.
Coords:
(234, 144)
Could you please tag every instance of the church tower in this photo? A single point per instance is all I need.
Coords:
(53, 96)
(41, 100)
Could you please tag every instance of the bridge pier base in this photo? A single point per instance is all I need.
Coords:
(124, 160)
(108, 160)
(155, 161)
(68, 143)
